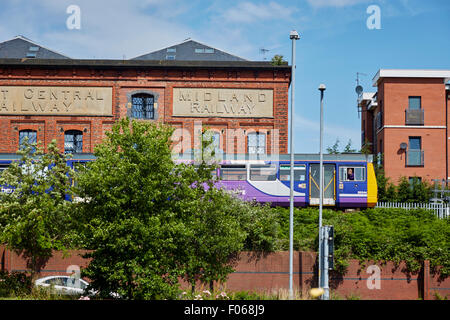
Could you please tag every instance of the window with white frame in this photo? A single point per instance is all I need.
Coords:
(73, 141)
(352, 173)
(29, 135)
(256, 143)
(143, 106)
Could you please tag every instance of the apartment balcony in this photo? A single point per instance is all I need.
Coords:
(379, 120)
(415, 158)
(414, 117)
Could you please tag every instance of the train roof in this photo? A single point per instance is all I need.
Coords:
(283, 157)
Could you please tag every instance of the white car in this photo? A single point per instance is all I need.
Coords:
(63, 284)
(67, 285)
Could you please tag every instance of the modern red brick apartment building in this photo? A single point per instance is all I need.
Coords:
(45, 95)
(405, 123)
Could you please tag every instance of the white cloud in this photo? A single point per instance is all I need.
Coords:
(248, 12)
(335, 3)
(109, 29)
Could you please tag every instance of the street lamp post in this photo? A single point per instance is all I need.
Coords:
(293, 36)
(321, 279)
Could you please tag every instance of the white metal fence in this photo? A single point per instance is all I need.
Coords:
(442, 210)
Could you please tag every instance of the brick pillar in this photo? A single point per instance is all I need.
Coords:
(426, 280)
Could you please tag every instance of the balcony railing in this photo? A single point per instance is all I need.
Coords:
(415, 158)
(414, 117)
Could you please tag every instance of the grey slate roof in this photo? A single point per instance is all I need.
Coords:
(21, 47)
(190, 50)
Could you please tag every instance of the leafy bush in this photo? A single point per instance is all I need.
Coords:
(405, 191)
(14, 284)
(374, 234)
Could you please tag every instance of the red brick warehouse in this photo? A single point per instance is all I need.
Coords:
(76, 101)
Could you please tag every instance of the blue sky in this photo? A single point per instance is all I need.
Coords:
(335, 42)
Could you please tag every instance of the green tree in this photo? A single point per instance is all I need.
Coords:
(348, 147)
(391, 192)
(421, 190)
(334, 149)
(36, 216)
(367, 147)
(150, 221)
(278, 60)
(404, 190)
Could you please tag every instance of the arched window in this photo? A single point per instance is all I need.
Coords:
(31, 135)
(143, 106)
(73, 141)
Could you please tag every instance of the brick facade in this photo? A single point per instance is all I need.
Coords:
(151, 77)
(386, 124)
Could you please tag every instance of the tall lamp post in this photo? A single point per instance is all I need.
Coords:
(322, 88)
(293, 36)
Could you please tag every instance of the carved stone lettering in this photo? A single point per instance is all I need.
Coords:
(229, 103)
(43, 100)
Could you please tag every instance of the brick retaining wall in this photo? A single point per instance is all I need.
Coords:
(270, 273)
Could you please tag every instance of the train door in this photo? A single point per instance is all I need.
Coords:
(329, 184)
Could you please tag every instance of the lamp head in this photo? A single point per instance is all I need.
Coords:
(322, 87)
(294, 35)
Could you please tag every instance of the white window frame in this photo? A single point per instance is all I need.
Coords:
(343, 173)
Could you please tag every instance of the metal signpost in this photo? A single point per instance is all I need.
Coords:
(322, 88)
(324, 231)
(293, 36)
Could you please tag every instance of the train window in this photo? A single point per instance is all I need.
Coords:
(213, 172)
(3, 167)
(263, 172)
(233, 172)
(78, 165)
(352, 174)
(299, 172)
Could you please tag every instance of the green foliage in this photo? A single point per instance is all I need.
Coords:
(417, 191)
(150, 221)
(348, 147)
(278, 60)
(367, 147)
(386, 190)
(14, 284)
(35, 217)
(375, 234)
(334, 149)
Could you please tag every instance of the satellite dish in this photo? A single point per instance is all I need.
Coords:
(359, 89)
(403, 146)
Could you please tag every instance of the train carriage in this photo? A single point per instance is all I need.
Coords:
(349, 179)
